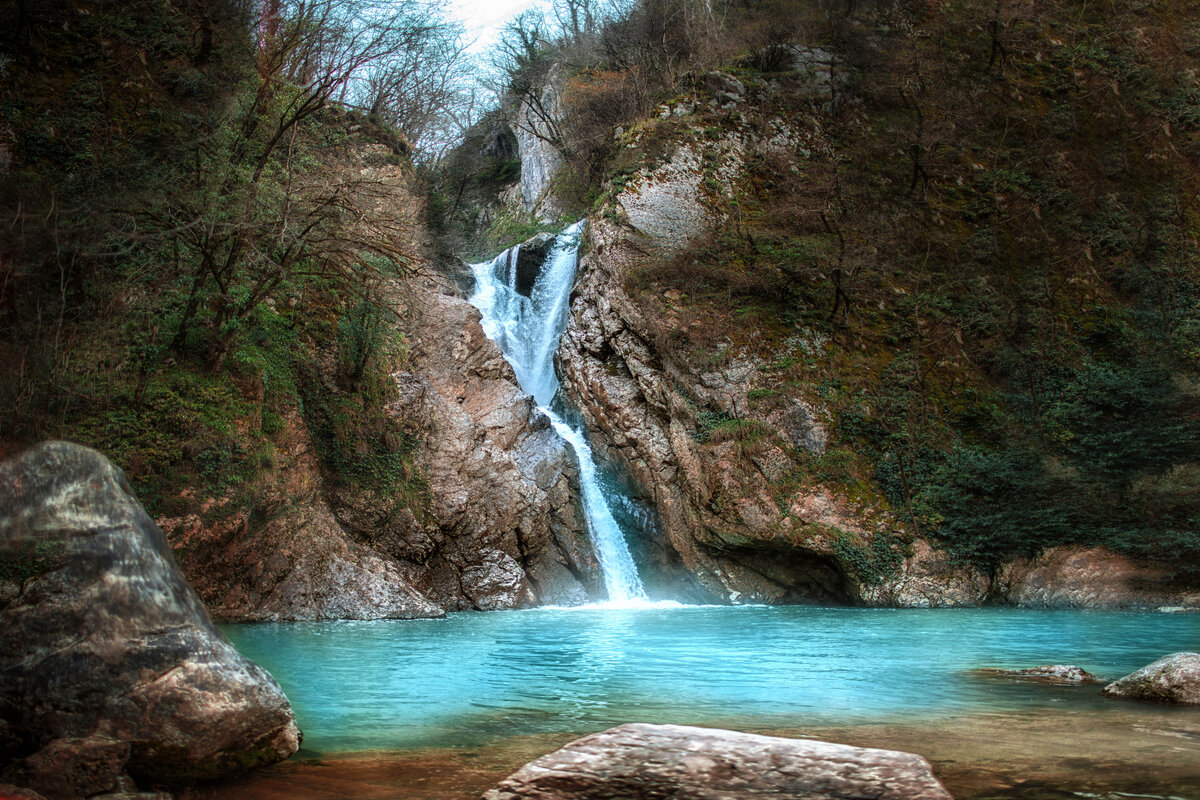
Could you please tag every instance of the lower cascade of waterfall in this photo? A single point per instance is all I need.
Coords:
(527, 330)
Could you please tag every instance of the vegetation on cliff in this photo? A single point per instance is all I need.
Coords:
(975, 247)
(201, 246)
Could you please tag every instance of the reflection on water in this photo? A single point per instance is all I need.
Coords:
(473, 679)
(1125, 752)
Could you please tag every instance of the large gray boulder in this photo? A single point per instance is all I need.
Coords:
(110, 662)
(659, 761)
(1172, 679)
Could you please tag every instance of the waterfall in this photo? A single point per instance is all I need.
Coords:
(527, 330)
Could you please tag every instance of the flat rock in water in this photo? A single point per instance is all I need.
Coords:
(110, 661)
(636, 762)
(1172, 679)
(1050, 673)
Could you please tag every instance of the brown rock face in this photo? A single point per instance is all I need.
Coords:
(722, 517)
(507, 530)
(661, 761)
(299, 563)
(110, 660)
(1173, 679)
(503, 528)
(727, 513)
(1083, 577)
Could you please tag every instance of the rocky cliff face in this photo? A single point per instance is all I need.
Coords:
(491, 516)
(717, 456)
(727, 507)
(505, 529)
(502, 527)
(536, 126)
(718, 503)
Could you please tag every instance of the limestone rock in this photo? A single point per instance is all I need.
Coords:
(668, 208)
(725, 86)
(722, 531)
(536, 129)
(929, 578)
(503, 488)
(1173, 679)
(657, 761)
(800, 424)
(105, 647)
(501, 525)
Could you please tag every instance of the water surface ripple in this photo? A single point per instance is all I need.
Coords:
(474, 678)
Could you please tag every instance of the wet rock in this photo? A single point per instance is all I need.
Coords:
(106, 647)
(10, 792)
(657, 761)
(1173, 679)
(531, 257)
(1065, 674)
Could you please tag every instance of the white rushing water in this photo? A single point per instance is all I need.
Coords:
(527, 330)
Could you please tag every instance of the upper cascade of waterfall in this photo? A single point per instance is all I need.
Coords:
(527, 330)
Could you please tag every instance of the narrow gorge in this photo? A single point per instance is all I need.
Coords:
(582, 399)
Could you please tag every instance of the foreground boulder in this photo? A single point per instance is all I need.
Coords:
(1172, 679)
(655, 761)
(110, 661)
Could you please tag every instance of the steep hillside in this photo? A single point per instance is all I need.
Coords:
(219, 278)
(874, 276)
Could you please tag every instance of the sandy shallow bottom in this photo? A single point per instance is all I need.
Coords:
(1110, 755)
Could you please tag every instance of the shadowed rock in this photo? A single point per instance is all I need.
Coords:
(531, 258)
(1172, 679)
(110, 661)
(661, 761)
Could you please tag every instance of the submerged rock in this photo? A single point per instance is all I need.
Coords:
(110, 661)
(1172, 679)
(656, 761)
(1049, 673)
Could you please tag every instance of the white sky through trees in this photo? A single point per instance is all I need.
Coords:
(483, 19)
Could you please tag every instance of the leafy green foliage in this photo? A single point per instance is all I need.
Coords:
(190, 229)
(873, 562)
